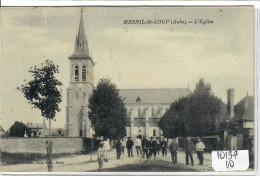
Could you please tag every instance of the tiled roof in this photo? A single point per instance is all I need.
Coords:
(153, 96)
(245, 108)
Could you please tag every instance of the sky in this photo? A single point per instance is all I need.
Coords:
(132, 55)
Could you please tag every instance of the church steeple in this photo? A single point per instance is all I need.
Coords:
(81, 86)
(81, 43)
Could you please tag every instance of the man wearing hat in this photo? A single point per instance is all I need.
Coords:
(189, 147)
(145, 146)
(129, 146)
(101, 154)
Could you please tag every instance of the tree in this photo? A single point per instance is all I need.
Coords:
(233, 126)
(202, 110)
(44, 93)
(18, 129)
(194, 115)
(107, 110)
(172, 122)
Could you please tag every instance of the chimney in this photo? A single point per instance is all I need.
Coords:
(230, 103)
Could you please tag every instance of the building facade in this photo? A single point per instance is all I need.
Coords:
(145, 107)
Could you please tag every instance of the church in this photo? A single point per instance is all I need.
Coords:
(145, 107)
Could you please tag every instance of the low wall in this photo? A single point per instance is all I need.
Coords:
(38, 145)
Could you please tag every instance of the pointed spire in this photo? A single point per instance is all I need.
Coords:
(81, 43)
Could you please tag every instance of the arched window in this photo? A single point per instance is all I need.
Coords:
(83, 73)
(154, 132)
(76, 73)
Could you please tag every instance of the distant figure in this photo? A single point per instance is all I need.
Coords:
(200, 148)
(123, 145)
(219, 145)
(25, 134)
(129, 146)
(173, 149)
(118, 148)
(107, 149)
(34, 133)
(152, 148)
(164, 147)
(158, 145)
(101, 155)
(188, 147)
(145, 146)
(138, 144)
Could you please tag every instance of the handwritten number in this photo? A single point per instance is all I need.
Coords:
(230, 155)
(231, 163)
(235, 154)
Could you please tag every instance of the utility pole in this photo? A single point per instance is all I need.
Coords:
(49, 149)
(92, 145)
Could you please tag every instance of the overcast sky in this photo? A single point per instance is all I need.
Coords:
(134, 56)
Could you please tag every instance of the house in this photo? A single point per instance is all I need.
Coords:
(243, 114)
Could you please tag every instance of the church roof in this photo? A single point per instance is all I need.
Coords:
(1, 129)
(34, 125)
(153, 96)
(81, 43)
(81, 50)
(244, 109)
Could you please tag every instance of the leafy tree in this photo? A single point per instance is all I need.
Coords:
(107, 110)
(194, 115)
(172, 122)
(202, 110)
(18, 129)
(44, 93)
(233, 126)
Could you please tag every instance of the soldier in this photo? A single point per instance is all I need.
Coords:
(189, 146)
(164, 147)
(173, 149)
(152, 148)
(145, 146)
(129, 146)
(118, 148)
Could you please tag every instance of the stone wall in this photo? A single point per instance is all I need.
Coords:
(38, 145)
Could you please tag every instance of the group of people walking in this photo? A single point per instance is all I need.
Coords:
(150, 148)
(145, 148)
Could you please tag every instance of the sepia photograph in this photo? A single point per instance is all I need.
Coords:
(127, 89)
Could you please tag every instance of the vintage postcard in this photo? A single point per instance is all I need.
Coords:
(127, 89)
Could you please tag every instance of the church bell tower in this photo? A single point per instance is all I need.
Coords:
(80, 88)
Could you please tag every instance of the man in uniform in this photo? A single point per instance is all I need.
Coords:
(189, 146)
(173, 149)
